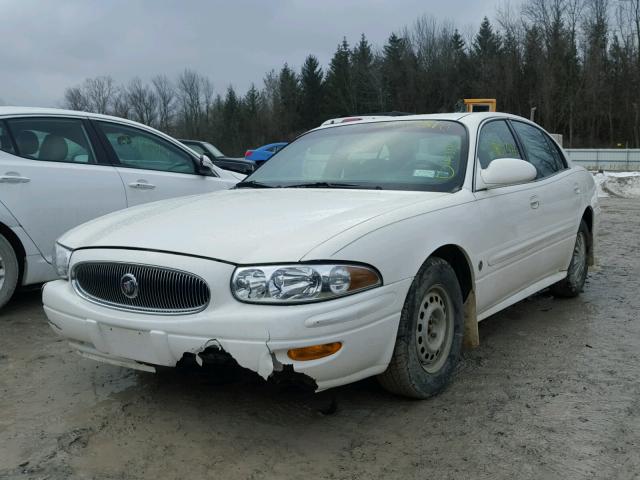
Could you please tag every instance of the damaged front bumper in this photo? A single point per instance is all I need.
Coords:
(257, 337)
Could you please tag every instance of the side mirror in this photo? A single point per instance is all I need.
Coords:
(507, 171)
(205, 164)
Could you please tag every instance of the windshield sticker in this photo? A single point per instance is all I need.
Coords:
(424, 173)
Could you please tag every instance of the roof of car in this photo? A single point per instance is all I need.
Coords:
(6, 111)
(469, 117)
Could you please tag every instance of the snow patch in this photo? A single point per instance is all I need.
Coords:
(618, 184)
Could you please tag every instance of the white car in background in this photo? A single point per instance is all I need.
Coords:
(363, 248)
(60, 168)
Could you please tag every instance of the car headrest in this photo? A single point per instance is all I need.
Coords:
(27, 142)
(53, 148)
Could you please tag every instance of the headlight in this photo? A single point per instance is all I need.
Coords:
(61, 258)
(301, 283)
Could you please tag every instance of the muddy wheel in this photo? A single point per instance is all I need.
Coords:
(429, 335)
(572, 284)
(9, 271)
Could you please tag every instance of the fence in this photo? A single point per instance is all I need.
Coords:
(614, 159)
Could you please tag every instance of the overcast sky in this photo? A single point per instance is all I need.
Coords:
(49, 45)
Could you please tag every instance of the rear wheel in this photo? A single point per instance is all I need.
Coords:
(9, 271)
(572, 284)
(429, 335)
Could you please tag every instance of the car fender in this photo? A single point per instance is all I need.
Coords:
(398, 243)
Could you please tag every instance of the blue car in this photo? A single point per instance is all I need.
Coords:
(264, 153)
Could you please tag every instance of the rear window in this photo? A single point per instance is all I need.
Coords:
(52, 139)
(6, 145)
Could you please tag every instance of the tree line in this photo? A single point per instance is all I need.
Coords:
(574, 63)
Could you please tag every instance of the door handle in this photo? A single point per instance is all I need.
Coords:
(534, 202)
(13, 177)
(142, 185)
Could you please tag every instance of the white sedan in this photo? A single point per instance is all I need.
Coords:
(363, 248)
(60, 168)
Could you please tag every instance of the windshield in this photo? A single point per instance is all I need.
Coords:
(396, 155)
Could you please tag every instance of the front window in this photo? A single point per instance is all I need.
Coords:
(496, 141)
(428, 155)
(135, 148)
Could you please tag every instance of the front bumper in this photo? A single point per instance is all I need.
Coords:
(256, 336)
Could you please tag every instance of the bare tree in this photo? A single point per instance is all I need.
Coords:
(120, 107)
(76, 99)
(165, 93)
(143, 102)
(189, 93)
(100, 92)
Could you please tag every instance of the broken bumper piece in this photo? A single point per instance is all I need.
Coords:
(257, 337)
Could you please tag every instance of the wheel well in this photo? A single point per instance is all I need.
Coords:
(13, 239)
(587, 216)
(456, 257)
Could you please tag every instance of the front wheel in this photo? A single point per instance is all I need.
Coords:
(429, 335)
(572, 284)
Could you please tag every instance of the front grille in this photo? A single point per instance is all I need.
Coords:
(140, 288)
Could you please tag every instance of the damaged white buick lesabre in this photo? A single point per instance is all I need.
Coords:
(368, 247)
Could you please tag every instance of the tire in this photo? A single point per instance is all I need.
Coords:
(9, 271)
(572, 284)
(430, 334)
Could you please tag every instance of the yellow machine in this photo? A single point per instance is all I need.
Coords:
(480, 104)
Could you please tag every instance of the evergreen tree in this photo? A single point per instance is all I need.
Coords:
(231, 120)
(339, 84)
(510, 71)
(485, 55)
(289, 102)
(393, 72)
(457, 73)
(362, 73)
(312, 91)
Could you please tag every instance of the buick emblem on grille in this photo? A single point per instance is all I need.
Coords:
(129, 286)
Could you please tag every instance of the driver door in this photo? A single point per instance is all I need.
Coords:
(151, 167)
(508, 220)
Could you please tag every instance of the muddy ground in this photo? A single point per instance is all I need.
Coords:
(552, 392)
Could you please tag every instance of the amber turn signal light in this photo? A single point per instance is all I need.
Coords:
(314, 352)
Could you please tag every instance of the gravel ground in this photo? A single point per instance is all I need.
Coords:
(553, 391)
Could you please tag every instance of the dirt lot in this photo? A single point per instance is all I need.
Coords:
(552, 392)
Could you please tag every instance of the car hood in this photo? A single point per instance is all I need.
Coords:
(242, 226)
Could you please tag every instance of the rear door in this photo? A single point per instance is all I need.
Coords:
(151, 167)
(52, 177)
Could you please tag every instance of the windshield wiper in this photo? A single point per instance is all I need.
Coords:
(323, 185)
(252, 184)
